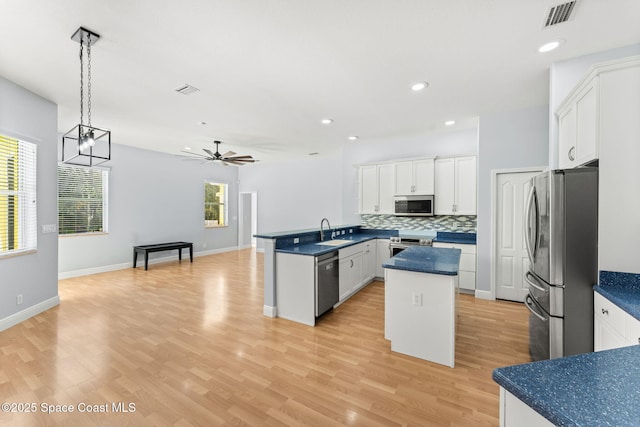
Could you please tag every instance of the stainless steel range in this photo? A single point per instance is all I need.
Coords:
(399, 244)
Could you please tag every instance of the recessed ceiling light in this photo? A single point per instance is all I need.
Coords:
(186, 89)
(326, 121)
(548, 47)
(187, 148)
(353, 137)
(450, 122)
(416, 87)
(314, 153)
(202, 123)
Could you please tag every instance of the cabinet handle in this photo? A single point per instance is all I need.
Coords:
(605, 311)
(572, 152)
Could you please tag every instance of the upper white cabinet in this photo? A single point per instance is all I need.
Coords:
(415, 177)
(579, 125)
(455, 186)
(377, 186)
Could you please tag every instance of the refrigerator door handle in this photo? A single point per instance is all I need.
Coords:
(534, 285)
(527, 223)
(529, 304)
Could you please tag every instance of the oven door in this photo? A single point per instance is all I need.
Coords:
(396, 249)
(549, 297)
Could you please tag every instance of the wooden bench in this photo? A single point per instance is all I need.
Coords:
(158, 247)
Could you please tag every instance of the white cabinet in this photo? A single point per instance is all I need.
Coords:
(377, 186)
(383, 254)
(515, 413)
(369, 255)
(455, 186)
(467, 270)
(350, 274)
(578, 124)
(415, 177)
(612, 326)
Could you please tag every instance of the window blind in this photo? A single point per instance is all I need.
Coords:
(18, 209)
(82, 200)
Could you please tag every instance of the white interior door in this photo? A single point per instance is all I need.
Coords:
(511, 261)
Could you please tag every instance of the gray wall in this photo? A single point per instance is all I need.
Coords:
(26, 116)
(512, 139)
(563, 77)
(153, 197)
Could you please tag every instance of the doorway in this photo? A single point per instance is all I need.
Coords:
(247, 219)
(510, 262)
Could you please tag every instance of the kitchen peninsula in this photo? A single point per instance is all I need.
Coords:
(421, 285)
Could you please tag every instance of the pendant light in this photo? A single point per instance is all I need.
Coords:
(85, 144)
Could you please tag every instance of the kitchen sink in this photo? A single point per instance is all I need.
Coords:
(335, 242)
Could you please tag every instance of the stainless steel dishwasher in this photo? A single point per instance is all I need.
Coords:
(327, 282)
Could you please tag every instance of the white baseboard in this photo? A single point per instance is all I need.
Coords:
(123, 266)
(484, 295)
(270, 311)
(260, 250)
(29, 312)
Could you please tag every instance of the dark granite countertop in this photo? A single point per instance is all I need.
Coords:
(454, 237)
(318, 248)
(622, 289)
(426, 259)
(592, 389)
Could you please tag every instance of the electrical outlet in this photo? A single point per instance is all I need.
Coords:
(296, 240)
(49, 228)
(19, 299)
(416, 299)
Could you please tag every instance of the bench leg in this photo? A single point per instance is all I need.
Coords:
(146, 260)
(180, 254)
(191, 253)
(135, 258)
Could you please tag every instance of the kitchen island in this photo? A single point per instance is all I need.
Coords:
(421, 285)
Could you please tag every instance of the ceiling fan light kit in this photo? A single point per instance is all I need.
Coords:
(228, 158)
(84, 144)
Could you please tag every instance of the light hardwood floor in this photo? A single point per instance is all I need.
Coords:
(187, 345)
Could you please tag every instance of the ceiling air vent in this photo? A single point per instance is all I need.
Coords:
(187, 89)
(559, 14)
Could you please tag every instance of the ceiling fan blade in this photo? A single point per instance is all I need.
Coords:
(209, 152)
(193, 154)
(232, 162)
(240, 157)
(229, 154)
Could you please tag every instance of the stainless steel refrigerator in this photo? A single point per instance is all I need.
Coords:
(561, 237)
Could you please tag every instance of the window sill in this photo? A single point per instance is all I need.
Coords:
(100, 233)
(17, 253)
(215, 226)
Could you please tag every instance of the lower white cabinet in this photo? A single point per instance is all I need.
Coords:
(612, 326)
(350, 274)
(515, 413)
(369, 256)
(383, 255)
(467, 270)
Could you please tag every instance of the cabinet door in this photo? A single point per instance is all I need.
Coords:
(423, 172)
(567, 138)
(444, 198)
(368, 189)
(632, 330)
(369, 261)
(605, 337)
(382, 256)
(587, 124)
(350, 274)
(465, 186)
(404, 178)
(386, 188)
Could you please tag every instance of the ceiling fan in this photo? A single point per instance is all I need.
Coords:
(228, 158)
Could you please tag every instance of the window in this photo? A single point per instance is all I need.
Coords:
(82, 200)
(215, 204)
(18, 210)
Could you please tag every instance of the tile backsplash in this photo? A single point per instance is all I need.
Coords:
(459, 223)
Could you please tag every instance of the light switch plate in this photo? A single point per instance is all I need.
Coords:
(49, 228)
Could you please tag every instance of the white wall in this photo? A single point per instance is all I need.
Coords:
(512, 139)
(439, 144)
(153, 197)
(295, 195)
(26, 116)
(563, 77)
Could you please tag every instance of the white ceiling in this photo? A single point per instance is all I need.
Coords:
(269, 70)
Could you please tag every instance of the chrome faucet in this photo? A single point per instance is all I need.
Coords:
(322, 229)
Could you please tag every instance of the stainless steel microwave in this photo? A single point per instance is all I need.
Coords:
(414, 205)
